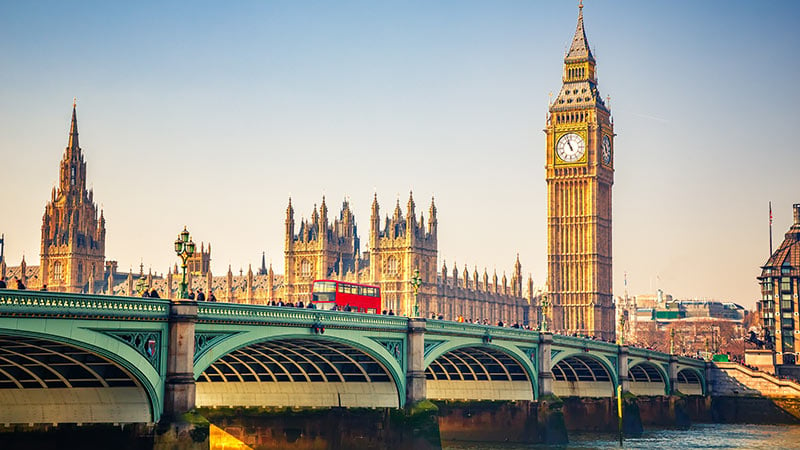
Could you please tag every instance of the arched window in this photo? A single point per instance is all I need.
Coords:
(391, 266)
(58, 271)
(305, 268)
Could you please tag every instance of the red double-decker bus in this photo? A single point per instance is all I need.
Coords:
(359, 297)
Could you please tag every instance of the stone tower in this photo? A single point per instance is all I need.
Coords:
(404, 245)
(580, 174)
(73, 237)
(320, 250)
(200, 262)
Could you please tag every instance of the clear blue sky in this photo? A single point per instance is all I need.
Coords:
(210, 114)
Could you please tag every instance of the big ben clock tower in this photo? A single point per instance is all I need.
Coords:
(580, 173)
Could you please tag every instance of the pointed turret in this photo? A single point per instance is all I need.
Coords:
(289, 232)
(579, 50)
(398, 214)
(432, 221)
(323, 218)
(374, 223)
(73, 147)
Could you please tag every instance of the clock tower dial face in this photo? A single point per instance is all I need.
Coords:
(570, 147)
(606, 150)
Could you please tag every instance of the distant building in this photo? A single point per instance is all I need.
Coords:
(403, 244)
(780, 285)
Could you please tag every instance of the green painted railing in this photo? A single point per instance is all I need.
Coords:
(261, 314)
(60, 305)
(579, 342)
(446, 327)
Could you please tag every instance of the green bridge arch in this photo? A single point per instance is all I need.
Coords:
(524, 355)
(388, 350)
(564, 354)
(104, 339)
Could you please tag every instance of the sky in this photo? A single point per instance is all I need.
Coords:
(211, 115)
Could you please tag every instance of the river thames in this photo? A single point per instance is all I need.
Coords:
(717, 436)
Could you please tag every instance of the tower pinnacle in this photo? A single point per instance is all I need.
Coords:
(579, 49)
(73, 128)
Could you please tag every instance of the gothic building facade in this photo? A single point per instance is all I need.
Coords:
(403, 244)
(73, 235)
(580, 174)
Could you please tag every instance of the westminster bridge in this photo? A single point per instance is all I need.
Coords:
(75, 358)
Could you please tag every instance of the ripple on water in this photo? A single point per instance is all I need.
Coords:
(708, 436)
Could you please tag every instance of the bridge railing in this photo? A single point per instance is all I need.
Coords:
(236, 313)
(474, 329)
(24, 303)
(584, 343)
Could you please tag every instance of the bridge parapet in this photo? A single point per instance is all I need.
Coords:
(208, 312)
(62, 305)
(474, 329)
(583, 343)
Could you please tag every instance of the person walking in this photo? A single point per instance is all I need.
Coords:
(3, 283)
(154, 294)
(201, 296)
(191, 294)
(212, 297)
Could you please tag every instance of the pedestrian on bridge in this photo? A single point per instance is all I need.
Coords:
(3, 283)
(201, 297)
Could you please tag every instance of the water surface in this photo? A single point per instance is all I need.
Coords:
(716, 436)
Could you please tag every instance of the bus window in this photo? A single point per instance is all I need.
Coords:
(325, 306)
(324, 286)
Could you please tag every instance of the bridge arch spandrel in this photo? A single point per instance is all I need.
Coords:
(293, 366)
(124, 367)
(442, 352)
(578, 373)
(648, 377)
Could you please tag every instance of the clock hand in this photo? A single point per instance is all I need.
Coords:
(570, 146)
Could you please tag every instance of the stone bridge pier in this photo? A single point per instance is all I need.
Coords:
(179, 387)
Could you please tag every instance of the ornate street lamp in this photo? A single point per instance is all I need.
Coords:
(545, 305)
(416, 281)
(184, 248)
(622, 322)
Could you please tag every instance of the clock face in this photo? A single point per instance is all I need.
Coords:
(570, 147)
(606, 150)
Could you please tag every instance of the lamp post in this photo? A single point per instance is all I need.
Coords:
(416, 281)
(622, 322)
(544, 309)
(672, 340)
(184, 248)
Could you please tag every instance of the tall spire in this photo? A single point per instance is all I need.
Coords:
(579, 50)
(73, 128)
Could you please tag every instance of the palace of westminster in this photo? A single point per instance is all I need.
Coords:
(579, 174)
